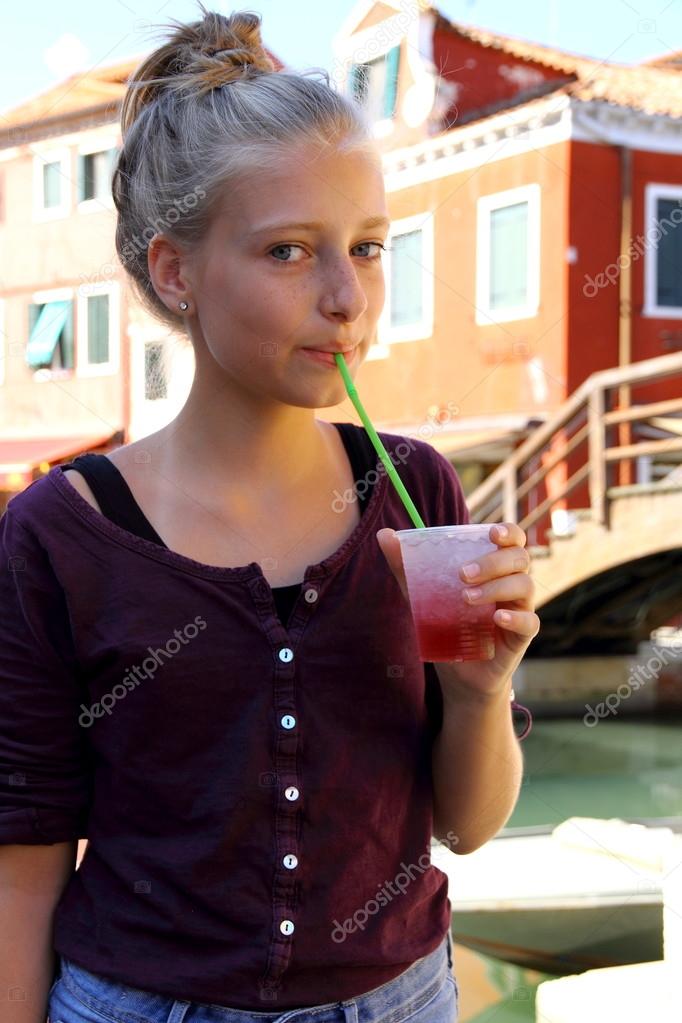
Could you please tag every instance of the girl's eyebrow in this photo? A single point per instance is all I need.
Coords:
(379, 221)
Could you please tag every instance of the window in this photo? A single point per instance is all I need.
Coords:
(663, 251)
(50, 335)
(51, 184)
(408, 272)
(155, 382)
(508, 255)
(407, 293)
(375, 84)
(95, 172)
(98, 329)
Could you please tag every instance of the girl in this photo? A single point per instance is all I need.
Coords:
(209, 665)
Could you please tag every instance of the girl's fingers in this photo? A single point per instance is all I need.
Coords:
(523, 623)
(508, 534)
(509, 589)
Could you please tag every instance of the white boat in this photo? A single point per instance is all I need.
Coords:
(581, 895)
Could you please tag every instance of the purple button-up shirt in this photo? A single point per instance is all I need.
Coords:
(257, 799)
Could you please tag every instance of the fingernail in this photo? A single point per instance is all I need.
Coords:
(472, 570)
(502, 531)
(504, 616)
(474, 593)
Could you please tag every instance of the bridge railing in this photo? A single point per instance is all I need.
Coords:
(583, 444)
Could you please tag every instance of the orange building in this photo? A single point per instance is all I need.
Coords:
(534, 195)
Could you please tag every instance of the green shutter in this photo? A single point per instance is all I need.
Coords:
(52, 184)
(509, 256)
(668, 256)
(65, 342)
(407, 306)
(98, 329)
(391, 90)
(46, 324)
(113, 157)
(81, 177)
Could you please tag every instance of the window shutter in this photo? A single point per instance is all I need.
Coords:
(98, 329)
(668, 255)
(391, 91)
(113, 156)
(407, 300)
(81, 177)
(509, 256)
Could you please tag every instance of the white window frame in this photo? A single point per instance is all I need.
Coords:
(97, 145)
(484, 207)
(422, 329)
(654, 191)
(62, 155)
(98, 369)
(45, 373)
(366, 46)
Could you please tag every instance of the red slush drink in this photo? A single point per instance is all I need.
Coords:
(448, 628)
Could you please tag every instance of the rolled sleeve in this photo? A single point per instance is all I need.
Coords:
(44, 758)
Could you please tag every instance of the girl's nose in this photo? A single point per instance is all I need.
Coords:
(344, 296)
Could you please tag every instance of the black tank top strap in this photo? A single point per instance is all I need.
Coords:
(114, 495)
(362, 455)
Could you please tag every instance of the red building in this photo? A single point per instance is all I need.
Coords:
(540, 192)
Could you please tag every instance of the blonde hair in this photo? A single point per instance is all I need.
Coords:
(198, 113)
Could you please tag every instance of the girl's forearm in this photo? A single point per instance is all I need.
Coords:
(477, 765)
(32, 878)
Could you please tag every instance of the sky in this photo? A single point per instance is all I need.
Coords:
(45, 41)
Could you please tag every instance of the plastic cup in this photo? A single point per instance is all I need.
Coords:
(448, 628)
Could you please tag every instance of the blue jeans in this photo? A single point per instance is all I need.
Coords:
(424, 993)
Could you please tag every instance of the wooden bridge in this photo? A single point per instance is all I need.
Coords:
(598, 490)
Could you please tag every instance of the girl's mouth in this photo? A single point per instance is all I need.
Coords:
(327, 358)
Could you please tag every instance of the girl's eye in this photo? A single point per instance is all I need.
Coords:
(281, 248)
(285, 248)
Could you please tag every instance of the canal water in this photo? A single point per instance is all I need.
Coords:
(624, 767)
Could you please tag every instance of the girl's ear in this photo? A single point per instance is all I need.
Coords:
(165, 262)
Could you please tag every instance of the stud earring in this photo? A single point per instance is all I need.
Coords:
(184, 306)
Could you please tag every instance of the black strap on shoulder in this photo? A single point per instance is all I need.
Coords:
(362, 455)
(113, 495)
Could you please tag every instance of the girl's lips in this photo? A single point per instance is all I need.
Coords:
(327, 358)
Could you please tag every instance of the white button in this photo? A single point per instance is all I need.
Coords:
(286, 654)
(288, 721)
(291, 793)
(290, 861)
(286, 927)
(311, 596)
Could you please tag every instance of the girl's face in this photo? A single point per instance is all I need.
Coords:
(265, 289)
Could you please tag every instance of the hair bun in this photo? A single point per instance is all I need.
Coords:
(238, 48)
(198, 57)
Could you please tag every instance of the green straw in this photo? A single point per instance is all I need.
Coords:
(378, 446)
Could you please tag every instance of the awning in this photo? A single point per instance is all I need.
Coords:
(46, 330)
(488, 439)
(20, 457)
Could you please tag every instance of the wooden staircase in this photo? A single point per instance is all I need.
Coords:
(598, 490)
